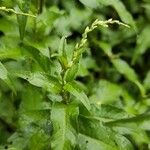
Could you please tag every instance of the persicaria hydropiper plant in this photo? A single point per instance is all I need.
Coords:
(61, 91)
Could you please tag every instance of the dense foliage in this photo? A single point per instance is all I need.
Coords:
(71, 77)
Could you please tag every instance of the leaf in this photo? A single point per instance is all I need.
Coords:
(46, 20)
(38, 79)
(39, 141)
(4, 76)
(9, 48)
(22, 20)
(63, 137)
(89, 3)
(10, 54)
(5, 113)
(117, 5)
(88, 143)
(71, 73)
(32, 100)
(106, 47)
(106, 137)
(121, 9)
(80, 95)
(108, 112)
(8, 27)
(138, 122)
(123, 68)
(62, 46)
(34, 54)
(147, 81)
(143, 43)
(123, 142)
(17, 142)
(133, 126)
(3, 72)
(106, 92)
(62, 51)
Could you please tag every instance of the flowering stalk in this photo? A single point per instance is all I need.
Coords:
(79, 46)
(79, 50)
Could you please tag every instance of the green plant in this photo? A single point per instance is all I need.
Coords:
(50, 96)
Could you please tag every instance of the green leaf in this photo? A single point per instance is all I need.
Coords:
(121, 10)
(117, 5)
(62, 51)
(8, 27)
(71, 73)
(138, 122)
(143, 43)
(39, 141)
(62, 46)
(106, 92)
(63, 137)
(123, 68)
(46, 19)
(32, 100)
(147, 81)
(89, 3)
(133, 126)
(38, 79)
(5, 113)
(106, 47)
(22, 20)
(9, 48)
(105, 136)
(3, 72)
(108, 112)
(4, 76)
(87, 143)
(80, 95)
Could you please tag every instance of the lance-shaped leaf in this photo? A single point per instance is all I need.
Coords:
(22, 20)
(63, 137)
(71, 73)
(3, 72)
(38, 79)
(87, 143)
(134, 126)
(138, 122)
(143, 43)
(63, 55)
(117, 5)
(147, 81)
(108, 112)
(4, 76)
(123, 68)
(80, 95)
(89, 3)
(100, 137)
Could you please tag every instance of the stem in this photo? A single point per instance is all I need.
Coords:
(15, 12)
(77, 51)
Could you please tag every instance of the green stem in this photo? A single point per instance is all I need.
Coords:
(15, 12)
